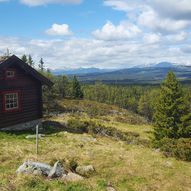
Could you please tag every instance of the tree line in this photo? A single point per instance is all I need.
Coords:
(138, 99)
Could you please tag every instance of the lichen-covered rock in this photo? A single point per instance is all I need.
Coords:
(72, 177)
(57, 171)
(85, 170)
(34, 168)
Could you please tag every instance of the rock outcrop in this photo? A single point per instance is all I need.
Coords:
(57, 171)
(34, 168)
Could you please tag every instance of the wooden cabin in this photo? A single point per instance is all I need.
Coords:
(20, 94)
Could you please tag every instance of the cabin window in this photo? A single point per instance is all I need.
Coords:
(10, 74)
(11, 101)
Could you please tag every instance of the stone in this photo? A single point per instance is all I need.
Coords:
(89, 140)
(72, 177)
(34, 168)
(85, 170)
(57, 171)
(91, 154)
(169, 164)
(110, 188)
(156, 150)
(40, 136)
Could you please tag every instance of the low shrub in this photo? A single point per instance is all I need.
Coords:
(131, 118)
(94, 128)
(97, 110)
(183, 149)
(178, 148)
(78, 126)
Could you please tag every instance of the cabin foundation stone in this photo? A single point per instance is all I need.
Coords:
(31, 125)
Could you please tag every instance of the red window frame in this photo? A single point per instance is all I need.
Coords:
(10, 70)
(19, 101)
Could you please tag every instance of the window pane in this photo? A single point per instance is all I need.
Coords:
(10, 74)
(11, 101)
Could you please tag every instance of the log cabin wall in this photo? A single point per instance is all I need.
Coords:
(31, 97)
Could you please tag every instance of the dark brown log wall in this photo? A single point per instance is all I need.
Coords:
(31, 98)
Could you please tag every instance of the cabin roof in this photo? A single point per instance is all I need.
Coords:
(6, 61)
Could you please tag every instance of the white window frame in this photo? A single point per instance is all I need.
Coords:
(11, 101)
(10, 74)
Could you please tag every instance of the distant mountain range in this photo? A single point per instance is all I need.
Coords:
(80, 71)
(164, 65)
(152, 74)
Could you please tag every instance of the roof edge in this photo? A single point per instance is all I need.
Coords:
(33, 72)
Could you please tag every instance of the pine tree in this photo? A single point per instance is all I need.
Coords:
(30, 61)
(76, 89)
(171, 106)
(41, 65)
(24, 58)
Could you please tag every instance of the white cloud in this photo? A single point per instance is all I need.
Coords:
(175, 9)
(151, 38)
(109, 31)
(78, 52)
(59, 30)
(44, 2)
(152, 21)
(179, 37)
(159, 16)
(126, 5)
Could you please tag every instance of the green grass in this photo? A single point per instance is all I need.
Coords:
(126, 166)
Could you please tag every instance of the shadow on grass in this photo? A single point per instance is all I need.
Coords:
(49, 127)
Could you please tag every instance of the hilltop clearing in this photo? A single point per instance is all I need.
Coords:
(81, 132)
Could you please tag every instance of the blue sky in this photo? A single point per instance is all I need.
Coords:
(32, 21)
(97, 33)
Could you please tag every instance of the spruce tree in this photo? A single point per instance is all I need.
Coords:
(41, 65)
(76, 89)
(170, 107)
(24, 58)
(30, 61)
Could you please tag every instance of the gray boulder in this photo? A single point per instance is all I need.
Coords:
(34, 168)
(57, 171)
(85, 170)
(72, 177)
